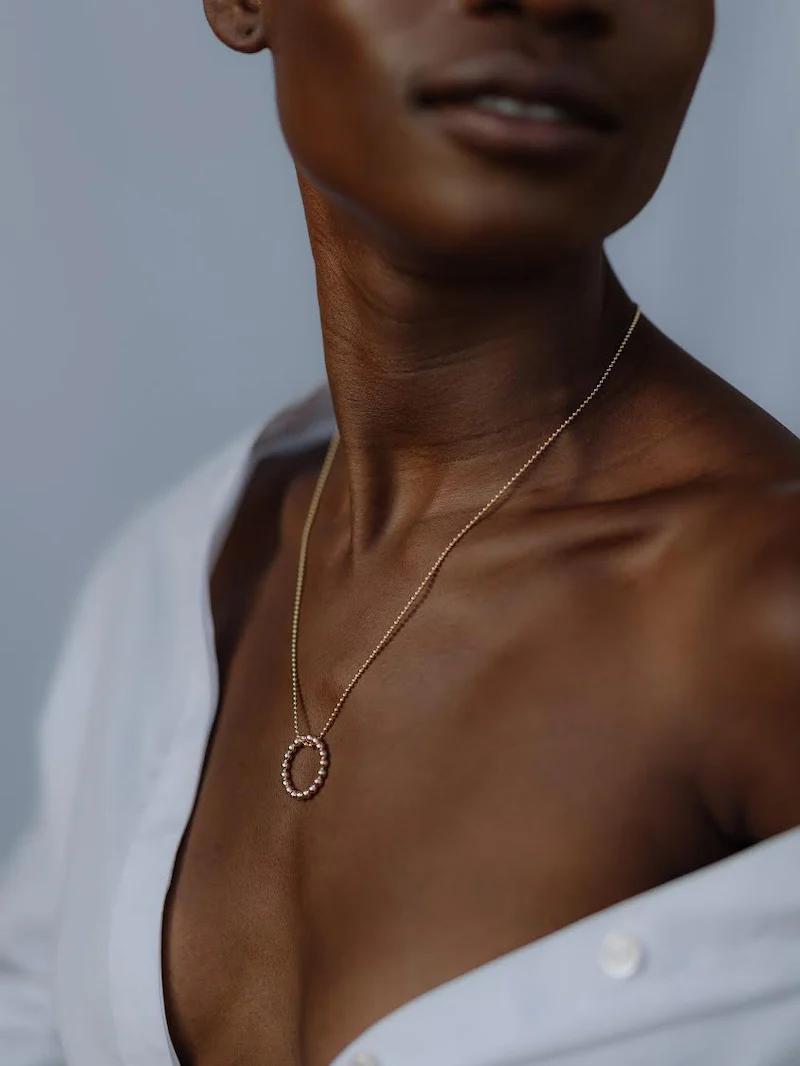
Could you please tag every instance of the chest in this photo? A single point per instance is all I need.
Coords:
(502, 773)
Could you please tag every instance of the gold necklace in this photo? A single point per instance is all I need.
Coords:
(318, 742)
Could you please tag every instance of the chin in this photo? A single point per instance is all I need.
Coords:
(464, 229)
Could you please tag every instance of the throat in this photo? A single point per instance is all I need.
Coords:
(382, 488)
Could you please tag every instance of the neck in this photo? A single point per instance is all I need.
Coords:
(443, 385)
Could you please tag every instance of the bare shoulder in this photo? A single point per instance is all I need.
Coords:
(731, 587)
(750, 532)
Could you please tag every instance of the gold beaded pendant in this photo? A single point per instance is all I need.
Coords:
(286, 772)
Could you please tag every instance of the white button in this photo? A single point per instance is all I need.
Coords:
(620, 954)
(363, 1058)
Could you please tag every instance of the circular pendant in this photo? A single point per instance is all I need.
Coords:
(322, 772)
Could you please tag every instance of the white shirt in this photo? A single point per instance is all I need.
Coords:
(701, 971)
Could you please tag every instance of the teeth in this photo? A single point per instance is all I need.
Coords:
(509, 105)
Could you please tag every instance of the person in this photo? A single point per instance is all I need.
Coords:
(554, 816)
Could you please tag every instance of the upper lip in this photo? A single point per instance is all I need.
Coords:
(510, 73)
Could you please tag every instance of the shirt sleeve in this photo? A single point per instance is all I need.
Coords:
(31, 878)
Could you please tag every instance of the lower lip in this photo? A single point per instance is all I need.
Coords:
(517, 135)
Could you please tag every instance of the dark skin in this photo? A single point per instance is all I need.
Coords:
(601, 690)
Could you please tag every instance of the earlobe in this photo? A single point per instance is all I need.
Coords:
(241, 24)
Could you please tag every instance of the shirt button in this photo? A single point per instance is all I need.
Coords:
(620, 954)
(363, 1058)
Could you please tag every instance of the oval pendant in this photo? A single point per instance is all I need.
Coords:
(322, 772)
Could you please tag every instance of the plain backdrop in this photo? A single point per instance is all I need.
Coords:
(157, 291)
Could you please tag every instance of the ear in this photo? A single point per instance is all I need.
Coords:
(241, 24)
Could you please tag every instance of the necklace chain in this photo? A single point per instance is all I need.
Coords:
(317, 741)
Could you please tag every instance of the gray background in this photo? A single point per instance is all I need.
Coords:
(157, 294)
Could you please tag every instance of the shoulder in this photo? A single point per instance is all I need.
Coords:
(162, 551)
(143, 569)
(742, 546)
(730, 512)
(132, 624)
(733, 588)
(179, 526)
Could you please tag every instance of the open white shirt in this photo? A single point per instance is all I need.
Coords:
(701, 971)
